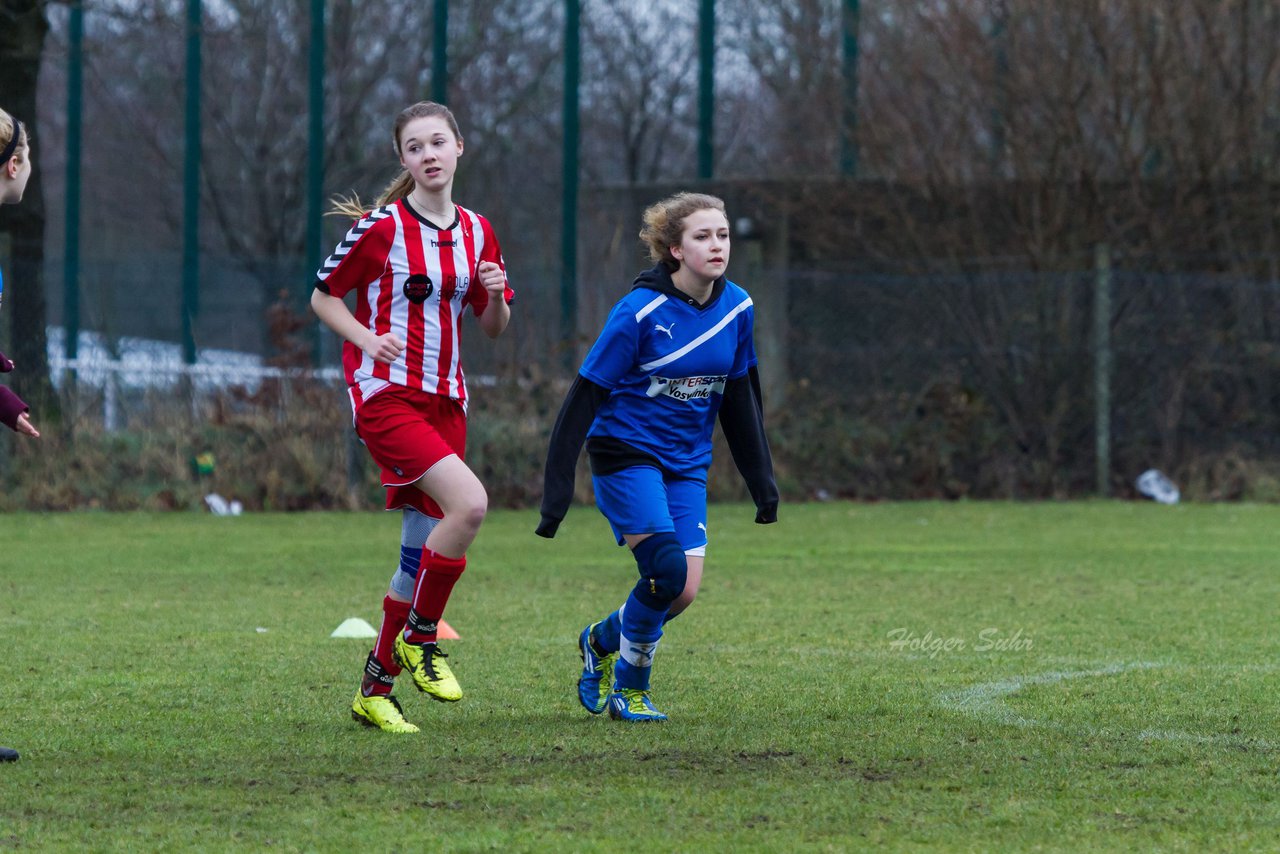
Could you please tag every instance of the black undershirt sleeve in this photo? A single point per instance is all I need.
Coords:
(576, 416)
(742, 419)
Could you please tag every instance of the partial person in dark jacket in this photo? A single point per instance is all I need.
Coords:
(15, 169)
(676, 353)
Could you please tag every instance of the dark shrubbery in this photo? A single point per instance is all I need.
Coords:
(289, 446)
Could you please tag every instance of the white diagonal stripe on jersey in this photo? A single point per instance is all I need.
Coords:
(701, 339)
(657, 301)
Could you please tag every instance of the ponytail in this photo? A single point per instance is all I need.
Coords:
(352, 208)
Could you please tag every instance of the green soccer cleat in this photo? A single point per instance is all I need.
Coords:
(431, 674)
(382, 711)
(632, 704)
(597, 674)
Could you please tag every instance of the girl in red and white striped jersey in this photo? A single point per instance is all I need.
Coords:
(415, 263)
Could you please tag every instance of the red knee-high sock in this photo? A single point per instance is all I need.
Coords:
(436, 576)
(394, 616)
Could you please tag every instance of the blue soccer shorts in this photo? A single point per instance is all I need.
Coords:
(640, 500)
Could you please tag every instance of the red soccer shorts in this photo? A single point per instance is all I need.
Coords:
(407, 432)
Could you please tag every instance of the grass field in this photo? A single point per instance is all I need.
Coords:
(970, 677)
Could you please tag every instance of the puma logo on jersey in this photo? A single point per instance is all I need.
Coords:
(658, 327)
(703, 527)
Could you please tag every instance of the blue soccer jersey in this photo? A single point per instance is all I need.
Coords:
(650, 391)
(665, 361)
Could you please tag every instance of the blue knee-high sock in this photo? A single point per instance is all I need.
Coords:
(608, 634)
(640, 632)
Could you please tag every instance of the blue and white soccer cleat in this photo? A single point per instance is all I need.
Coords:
(632, 704)
(597, 674)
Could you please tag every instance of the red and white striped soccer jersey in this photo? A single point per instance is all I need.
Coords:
(415, 280)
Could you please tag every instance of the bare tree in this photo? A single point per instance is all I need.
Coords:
(639, 93)
(781, 88)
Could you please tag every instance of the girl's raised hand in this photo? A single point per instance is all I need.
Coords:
(493, 279)
(25, 427)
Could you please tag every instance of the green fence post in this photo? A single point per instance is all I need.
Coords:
(569, 202)
(315, 167)
(1000, 44)
(706, 88)
(71, 251)
(1102, 366)
(849, 109)
(440, 52)
(191, 188)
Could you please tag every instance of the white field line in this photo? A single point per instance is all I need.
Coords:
(986, 701)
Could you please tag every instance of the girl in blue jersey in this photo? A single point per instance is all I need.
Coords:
(675, 353)
(15, 170)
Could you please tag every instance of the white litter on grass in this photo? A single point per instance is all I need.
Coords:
(354, 627)
(1155, 484)
(220, 506)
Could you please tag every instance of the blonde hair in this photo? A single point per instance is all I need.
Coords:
(664, 223)
(402, 184)
(7, 125)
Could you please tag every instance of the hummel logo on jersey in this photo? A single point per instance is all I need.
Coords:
(449, 244)
(418, 287)
(658, 327)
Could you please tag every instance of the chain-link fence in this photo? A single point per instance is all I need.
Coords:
(1039, 278)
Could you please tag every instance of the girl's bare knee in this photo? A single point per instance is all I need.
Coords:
(473, 510)
(684, 600)
(474, 515)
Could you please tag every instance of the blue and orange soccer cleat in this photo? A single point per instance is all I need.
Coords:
(597, 674)
(632, 704)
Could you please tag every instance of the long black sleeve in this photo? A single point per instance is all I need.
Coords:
(576, 416)
(742, 419)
